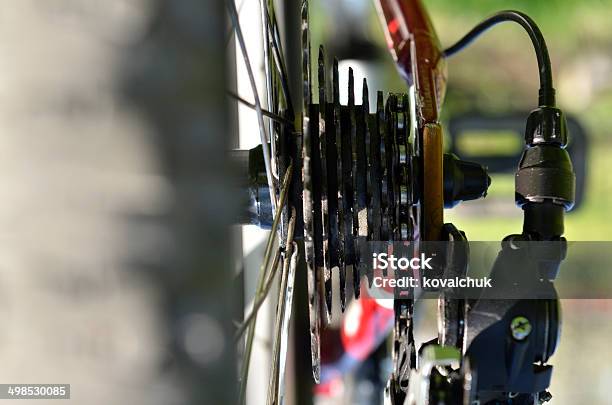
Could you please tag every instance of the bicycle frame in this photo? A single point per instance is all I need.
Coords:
(414, 46)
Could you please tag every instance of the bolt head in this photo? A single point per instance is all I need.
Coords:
(520, 328)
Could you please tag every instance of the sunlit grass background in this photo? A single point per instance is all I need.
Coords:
(499, 74)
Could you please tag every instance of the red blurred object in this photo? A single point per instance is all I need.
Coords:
(365, 326)
(416, 50)
(364, 329)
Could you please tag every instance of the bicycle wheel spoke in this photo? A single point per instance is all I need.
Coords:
(271, 115)
(262, 130)
(283, 310)
(270, 94)
(260, 282)
(277, 54)
(259, 300)
(230, 34)
(287, 321)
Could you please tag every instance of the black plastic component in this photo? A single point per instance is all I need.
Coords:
(463, 181)
(544, 219)
(504, 362)
(545, 174)
(545, 180)
(451, 310)
(546, 126)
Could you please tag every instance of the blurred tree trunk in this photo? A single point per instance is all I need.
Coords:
(177, 77)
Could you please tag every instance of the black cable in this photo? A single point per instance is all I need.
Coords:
(547, 91)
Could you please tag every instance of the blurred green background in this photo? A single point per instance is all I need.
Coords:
(497, 74)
